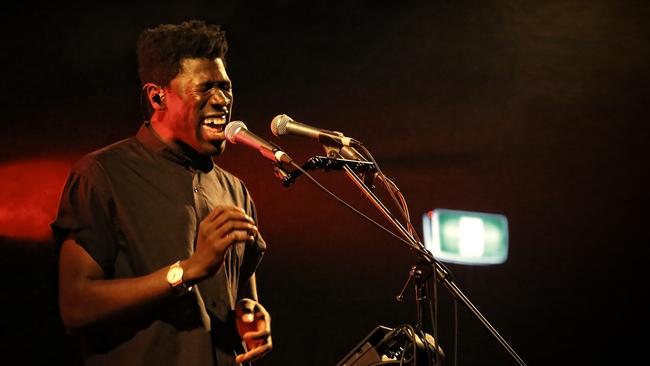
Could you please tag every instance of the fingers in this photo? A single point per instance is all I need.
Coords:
(221, 228)
(230, 211)
(245, 306)
(254, 353)
(260, 320)
(237, 234)
(230, 223)
(217, 210)
(247, 311)
(256, 337)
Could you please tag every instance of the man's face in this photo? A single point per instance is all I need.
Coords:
(199, 105)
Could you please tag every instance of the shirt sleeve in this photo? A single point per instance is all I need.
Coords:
(86, 211)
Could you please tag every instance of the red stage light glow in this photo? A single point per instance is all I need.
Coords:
(29, 196)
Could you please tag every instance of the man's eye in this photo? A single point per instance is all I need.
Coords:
(225, 87)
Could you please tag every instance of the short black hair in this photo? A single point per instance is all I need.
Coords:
(160, 49)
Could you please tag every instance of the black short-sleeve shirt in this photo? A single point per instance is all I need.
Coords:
(135, 207)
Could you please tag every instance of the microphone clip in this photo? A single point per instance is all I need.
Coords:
(325, 163)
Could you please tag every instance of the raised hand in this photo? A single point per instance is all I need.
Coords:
(224, 226)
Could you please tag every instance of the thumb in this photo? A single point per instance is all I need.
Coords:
(246, 310)
(248, 318)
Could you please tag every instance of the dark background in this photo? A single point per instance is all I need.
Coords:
(535, 110)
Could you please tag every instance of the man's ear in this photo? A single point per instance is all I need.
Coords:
(155, 95)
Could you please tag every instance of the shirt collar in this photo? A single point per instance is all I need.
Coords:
(175, 152)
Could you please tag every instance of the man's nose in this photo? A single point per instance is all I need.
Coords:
(220, 98)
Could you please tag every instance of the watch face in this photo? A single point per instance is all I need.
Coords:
(175, 275)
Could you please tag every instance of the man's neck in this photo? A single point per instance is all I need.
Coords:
(162, 129)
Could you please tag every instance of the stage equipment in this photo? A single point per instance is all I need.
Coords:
(386, 346)
(466, 237)
(352, 157)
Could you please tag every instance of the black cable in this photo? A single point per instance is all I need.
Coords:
(392, 187)
(388, 184)
(433, 313)
(455, 332)
(352, 208)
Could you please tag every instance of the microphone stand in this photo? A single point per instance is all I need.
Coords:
(427, 265)
(423, 271)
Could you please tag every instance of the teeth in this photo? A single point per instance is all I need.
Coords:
(215, 121)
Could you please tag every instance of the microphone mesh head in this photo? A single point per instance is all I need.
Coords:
(231, 130)
(279, 124)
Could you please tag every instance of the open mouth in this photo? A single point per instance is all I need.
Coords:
(214, 126)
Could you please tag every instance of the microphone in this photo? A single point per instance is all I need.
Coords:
(285, 125)
(236, 131)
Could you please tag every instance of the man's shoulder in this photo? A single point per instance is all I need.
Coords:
(106, 155)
